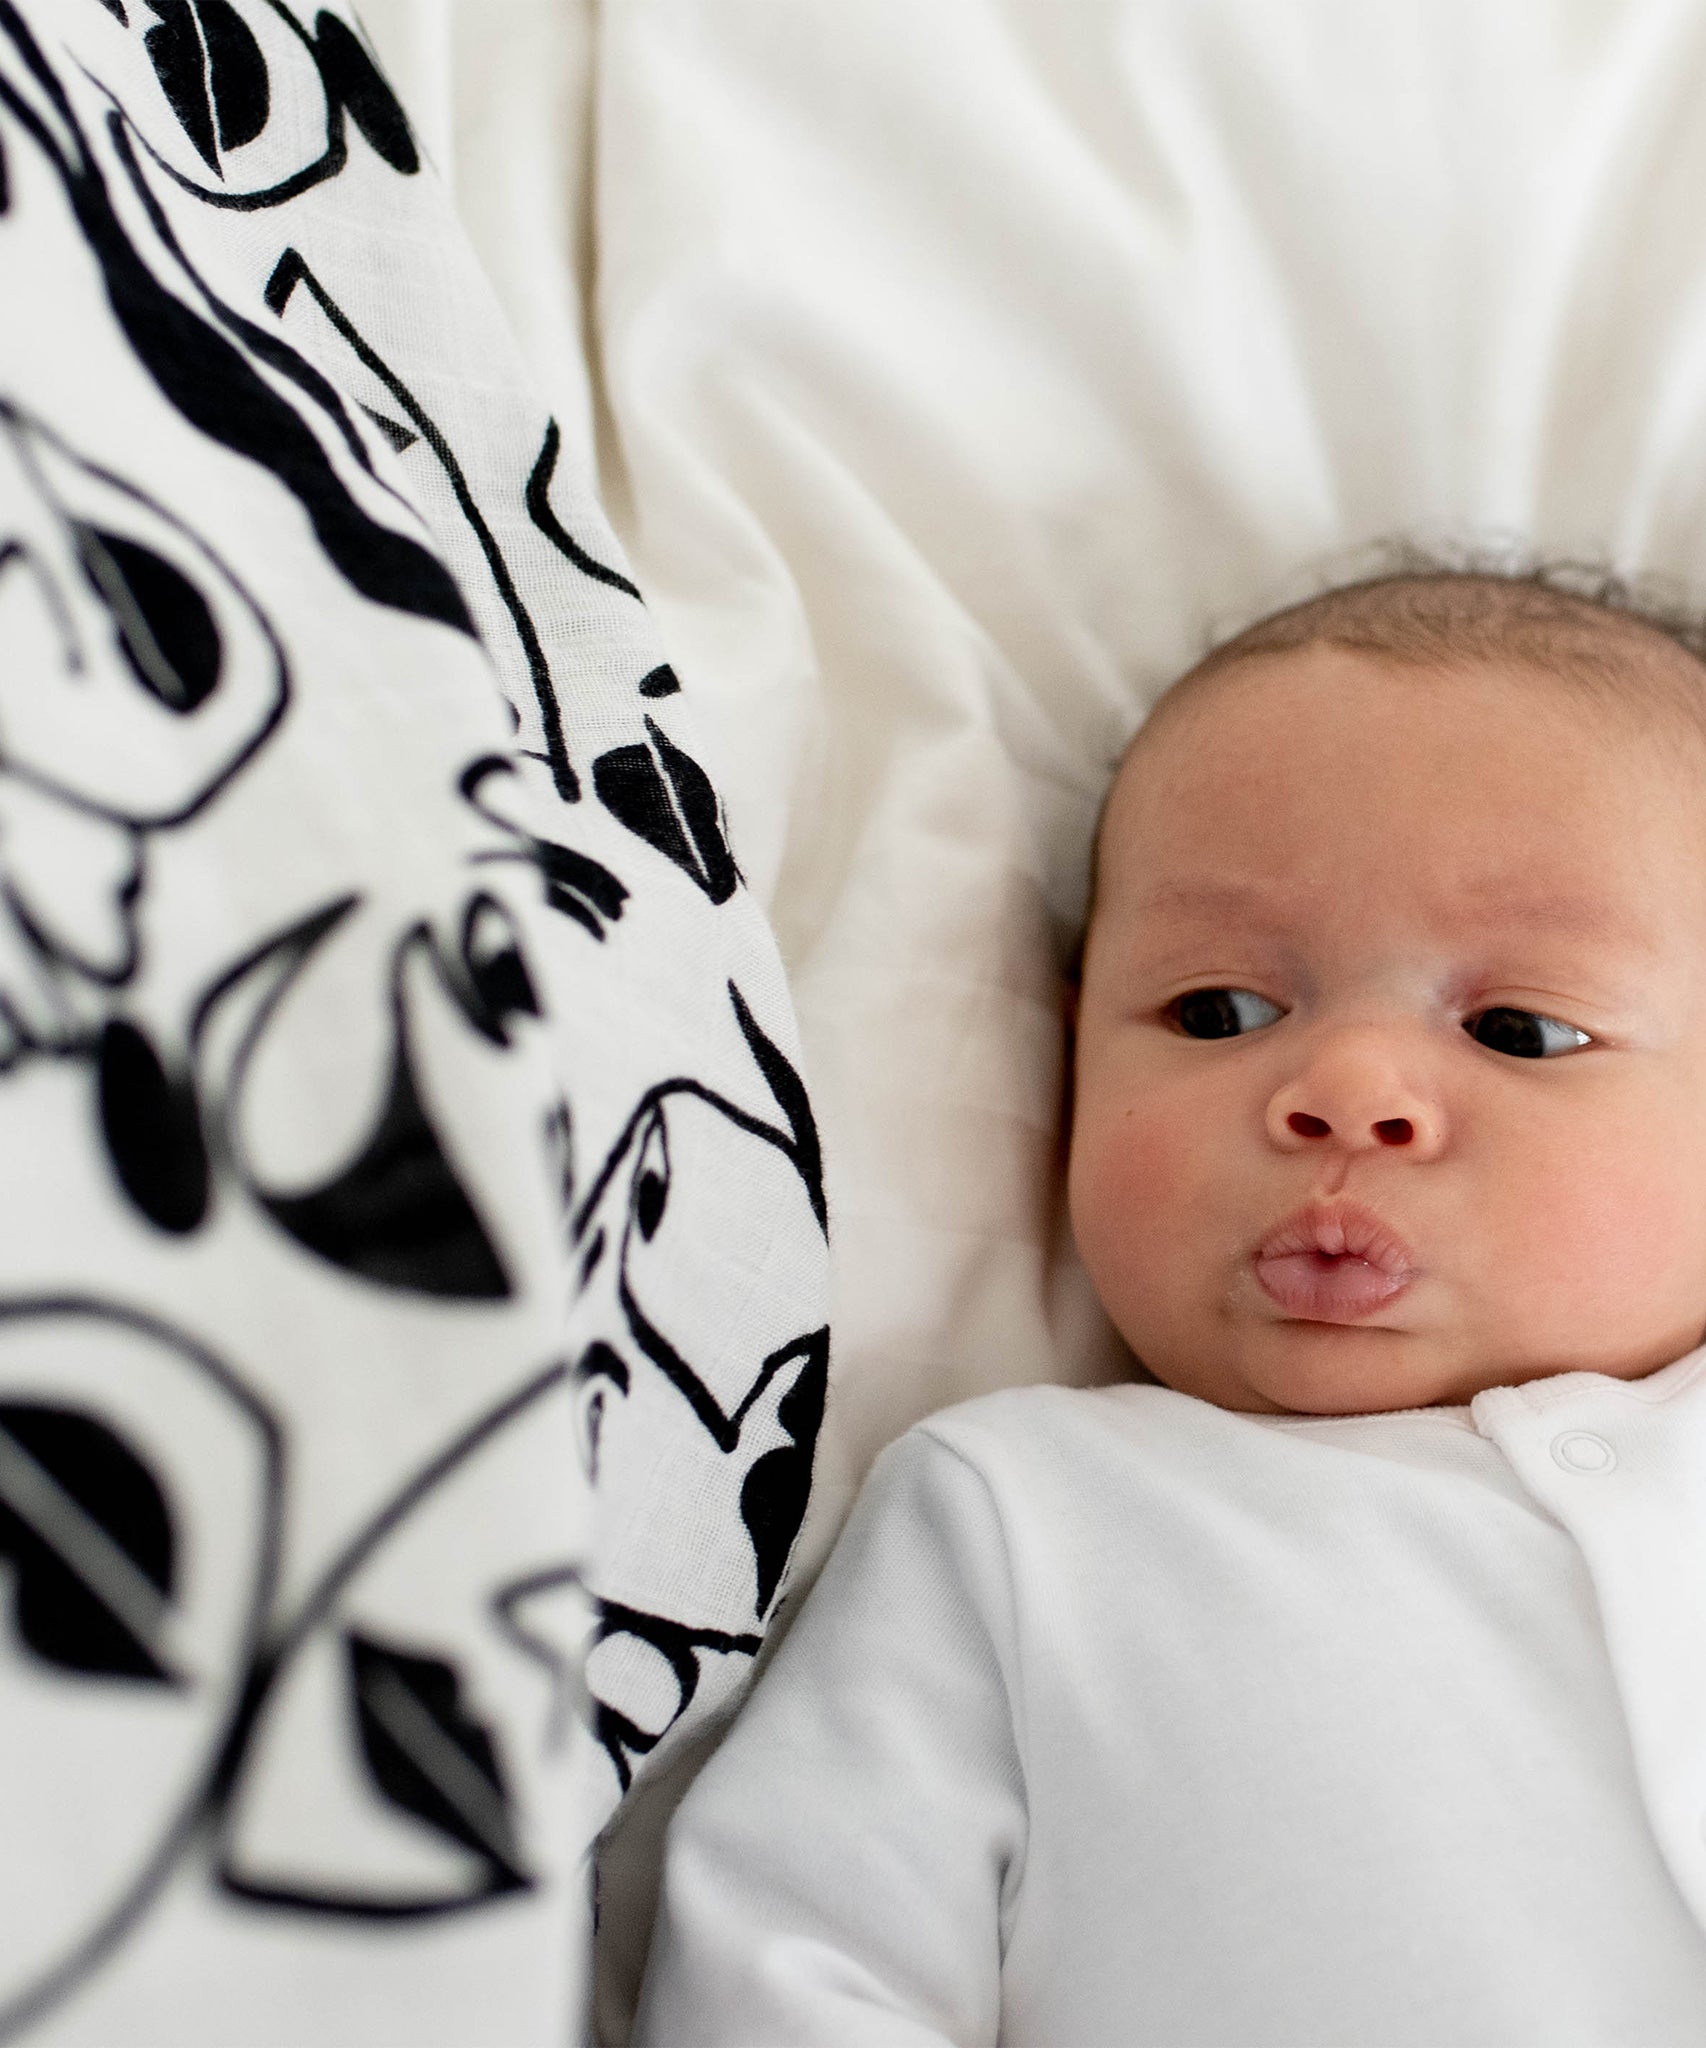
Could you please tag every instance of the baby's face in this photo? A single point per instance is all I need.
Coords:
(1391, 1056)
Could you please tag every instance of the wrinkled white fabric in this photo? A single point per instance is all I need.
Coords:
(1119, 1720)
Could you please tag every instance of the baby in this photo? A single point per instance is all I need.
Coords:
(1349, 1685)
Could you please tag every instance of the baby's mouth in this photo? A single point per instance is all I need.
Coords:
(1332, 1263)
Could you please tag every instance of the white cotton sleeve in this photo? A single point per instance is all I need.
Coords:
(841, 1872)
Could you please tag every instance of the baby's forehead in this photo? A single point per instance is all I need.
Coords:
(1607, 674)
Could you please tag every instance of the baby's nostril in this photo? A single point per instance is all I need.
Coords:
(1307, 1126)
(1395, 1130)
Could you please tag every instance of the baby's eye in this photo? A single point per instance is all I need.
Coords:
(1524, 1034)
(1222, 1012)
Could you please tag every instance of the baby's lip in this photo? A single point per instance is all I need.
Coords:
(1333, 1262)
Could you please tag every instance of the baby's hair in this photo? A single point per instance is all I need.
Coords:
(1567, 618)
(1570, 620)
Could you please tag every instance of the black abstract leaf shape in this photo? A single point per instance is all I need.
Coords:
(175, 50)
(116, 9)
(430, 1757)
(236, 74)
(578, 886)
(397, 1215)
(152, 1129)
(87, 1531)
(774, 1493)
(540, 512)
(166, 627)
(793, 1101)
(664, 797)
(660, 682)
(355, 82)
(499, 985)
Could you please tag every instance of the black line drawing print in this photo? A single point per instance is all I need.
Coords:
(397, 1213)
(665, 798)
(575, 884)
(208, 378)
(292, 270)
(404, 421)
(540, 512)
(353, 1686)
(140, 677)
(215, 64)
(626, 1633)
(692, 1181)
(126, 1449)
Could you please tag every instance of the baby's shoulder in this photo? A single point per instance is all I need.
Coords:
(1023, 1436)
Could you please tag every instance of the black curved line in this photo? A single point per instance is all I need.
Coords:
(556, 1667)
(659, 1092)
(292, 269)
(21, 421)
(677, 1371)
(353, 1906)
(540, 512)
(793, 1101)
(675, 1642)
(307, 932)
(191, 1819)
(28, 119)
(57, 956)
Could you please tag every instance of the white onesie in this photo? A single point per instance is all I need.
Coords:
(1118, 1721)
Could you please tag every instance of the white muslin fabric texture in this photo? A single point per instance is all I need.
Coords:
(1116, 1719)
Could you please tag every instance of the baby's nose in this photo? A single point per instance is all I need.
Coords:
(1354, 1094)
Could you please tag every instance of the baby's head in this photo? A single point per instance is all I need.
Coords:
(1390, 1076)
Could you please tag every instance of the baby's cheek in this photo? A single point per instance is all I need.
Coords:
(1135, 1175)
(1622, 1244)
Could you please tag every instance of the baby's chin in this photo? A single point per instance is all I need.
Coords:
(1330, 1369)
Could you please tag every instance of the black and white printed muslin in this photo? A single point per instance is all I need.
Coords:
(399, 1112)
